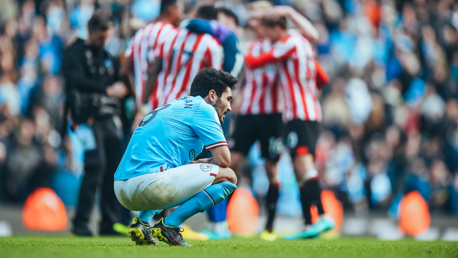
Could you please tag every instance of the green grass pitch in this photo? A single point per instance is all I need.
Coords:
(67, 246)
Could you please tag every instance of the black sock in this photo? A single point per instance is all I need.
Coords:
(306, 201)
(311, 195)
(271, 199)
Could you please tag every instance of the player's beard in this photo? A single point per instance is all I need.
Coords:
(220, 110)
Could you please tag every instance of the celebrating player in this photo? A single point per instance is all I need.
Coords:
(181, 57)
(158, 170)
(143, 46)
(261, 109)
(294, 56)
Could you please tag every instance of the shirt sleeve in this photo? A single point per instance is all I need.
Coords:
(279, 52)
(205, 124)
(200, 26)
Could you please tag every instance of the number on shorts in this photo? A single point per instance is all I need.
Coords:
(151, 115)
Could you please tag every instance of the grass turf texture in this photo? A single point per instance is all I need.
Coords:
(67, 246)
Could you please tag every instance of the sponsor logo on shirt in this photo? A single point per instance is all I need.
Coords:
(205, 167)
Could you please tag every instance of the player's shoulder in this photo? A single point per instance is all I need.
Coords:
(254, 43)
(298, 37)
(192, 103)
(204, 109)
(164, 27)
(142, 32)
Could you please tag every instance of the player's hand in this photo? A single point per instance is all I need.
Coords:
(138, 118)
(279, 11)
(117, 90)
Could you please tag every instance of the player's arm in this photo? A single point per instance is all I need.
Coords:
(206, 125)
(153, 72)
(322, 77)
(302, 24)
(200, 26)
(124, 74)
(278, 53)
(221, 156)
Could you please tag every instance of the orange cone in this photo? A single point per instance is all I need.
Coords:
(332, 207)
(44, 210)
(414, 217)
(243, 212)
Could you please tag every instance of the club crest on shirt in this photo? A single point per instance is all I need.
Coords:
(205, 167)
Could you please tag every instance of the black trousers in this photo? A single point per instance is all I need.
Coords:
(99, 166)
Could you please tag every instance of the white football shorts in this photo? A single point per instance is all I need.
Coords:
(162, 190)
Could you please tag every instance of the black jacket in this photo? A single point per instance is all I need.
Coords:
(88, 72)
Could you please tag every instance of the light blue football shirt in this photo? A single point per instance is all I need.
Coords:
(171, 136)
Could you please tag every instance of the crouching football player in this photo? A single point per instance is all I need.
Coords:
(158, 170)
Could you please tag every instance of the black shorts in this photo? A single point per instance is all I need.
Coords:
(267, 128)
(302, 137)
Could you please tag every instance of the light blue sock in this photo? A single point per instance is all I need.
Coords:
(147, 216)
(200, 203)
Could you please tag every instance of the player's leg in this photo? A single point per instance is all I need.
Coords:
(271, 138)
(245, 134)
(222, 186)
(302, 137)
(127, 193)
(202, 186)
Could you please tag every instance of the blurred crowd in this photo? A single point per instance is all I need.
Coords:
(390, 113)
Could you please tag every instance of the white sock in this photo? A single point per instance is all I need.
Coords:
(308, 175)
(324, 217)
(217, 227)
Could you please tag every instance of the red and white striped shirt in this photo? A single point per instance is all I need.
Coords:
(295, 60)
(261, 93)
(184, 54)
(142, 49)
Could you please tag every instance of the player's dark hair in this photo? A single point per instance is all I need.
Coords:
(229, 13)
(165, 4)
(212, 79)
(101, 20)
(281, 22)
(207, 12)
